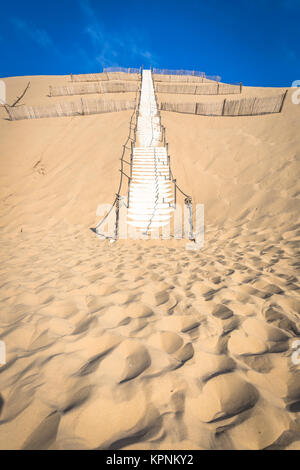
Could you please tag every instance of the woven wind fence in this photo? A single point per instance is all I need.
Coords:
(189, 108)
(89, 77)
(71, 108)
(252, 106)
(209, 109)
(102, 77)
(181, 79)
(243, 107)
(94, 87)
(121, 69)
(203, 89)
(185, 73)
(123, 76)
(100, 106)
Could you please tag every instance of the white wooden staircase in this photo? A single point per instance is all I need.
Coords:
(150, 203)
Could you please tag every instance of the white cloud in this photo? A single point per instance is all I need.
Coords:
(112, 48)
(38, 35)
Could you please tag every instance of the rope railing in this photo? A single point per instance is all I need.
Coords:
(116, 201)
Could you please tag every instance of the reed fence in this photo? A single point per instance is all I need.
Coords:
(122, 69)
(71, 108)
(181, 79)
(207, 89)
(193, 73)
(94, 87)
(103, 76)
(243, 107)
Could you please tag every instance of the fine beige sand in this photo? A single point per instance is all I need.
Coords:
(144, 344)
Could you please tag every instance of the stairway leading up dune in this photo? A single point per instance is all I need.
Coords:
(150, 195)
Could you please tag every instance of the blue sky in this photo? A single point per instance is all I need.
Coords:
(253, 41)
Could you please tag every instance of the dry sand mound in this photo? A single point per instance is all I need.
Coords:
(145, 344)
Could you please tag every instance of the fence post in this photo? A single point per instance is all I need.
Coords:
(128, 191)
(174, 181)
(189, 204)
(117, 215)
(131, 159)
(241, 86)
(196, 108)
(223, 109)
(8, 112)
(283, 100)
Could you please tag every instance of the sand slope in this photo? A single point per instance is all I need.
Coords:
(143, 344)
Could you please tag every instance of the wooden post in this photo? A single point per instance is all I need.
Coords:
(241, 86)
(283, 100)
(223, 109)
(117, 216)
(131, 159)
(174, 181)
(129, 181)
(8, 112)
(191, 221)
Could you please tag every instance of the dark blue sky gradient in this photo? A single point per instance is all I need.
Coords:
(253, 41)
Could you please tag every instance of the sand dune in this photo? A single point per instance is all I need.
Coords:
(144, 344)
